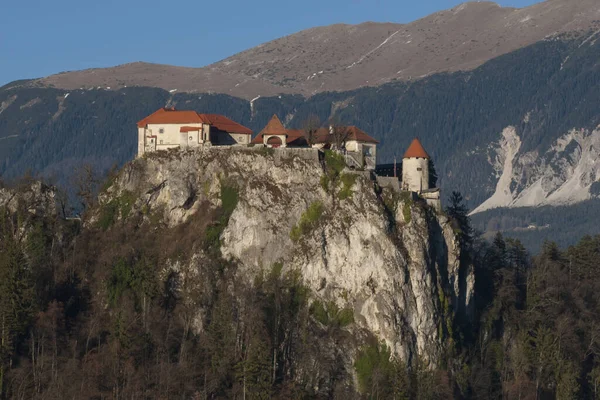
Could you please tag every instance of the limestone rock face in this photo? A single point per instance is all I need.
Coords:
(389, 258)
(36, 198)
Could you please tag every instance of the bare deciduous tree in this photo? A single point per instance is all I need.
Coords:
(86, 182)
(338, 134)
(310, 127)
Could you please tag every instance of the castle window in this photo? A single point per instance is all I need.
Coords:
(161, 130)
(161, 142)
(419, 169)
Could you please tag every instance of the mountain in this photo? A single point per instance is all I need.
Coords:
(345, 57)
(527, 120)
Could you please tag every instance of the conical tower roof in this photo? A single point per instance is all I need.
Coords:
(274, 127)
(416, 150)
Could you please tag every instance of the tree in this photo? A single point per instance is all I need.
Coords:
(433, 177)
(338, 134)
(86, 181)
(310, 127)
(459, 213)
(17, 299)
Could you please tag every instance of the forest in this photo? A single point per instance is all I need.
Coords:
(86, 311)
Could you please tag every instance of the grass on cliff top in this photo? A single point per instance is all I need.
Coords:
(308, 221)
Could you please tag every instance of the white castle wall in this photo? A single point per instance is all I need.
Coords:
(415, 174)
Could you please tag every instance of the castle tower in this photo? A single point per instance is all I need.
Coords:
(415, 168)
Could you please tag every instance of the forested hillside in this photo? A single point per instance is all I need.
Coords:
(564, 225)
(543, 90)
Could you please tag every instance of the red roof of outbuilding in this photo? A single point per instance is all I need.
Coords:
(189, 128)
(296, 137)
(172, 116)
(351, 132)
(223, 123)
(274, 127)
(416, 150)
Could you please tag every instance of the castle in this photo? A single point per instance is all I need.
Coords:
(168, 128)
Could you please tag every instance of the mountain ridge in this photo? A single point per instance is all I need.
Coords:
(343, 57)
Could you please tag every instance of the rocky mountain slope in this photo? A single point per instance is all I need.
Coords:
(345, 57)
(392, 261)
(567, 173)
(226, 273)
(527, 119)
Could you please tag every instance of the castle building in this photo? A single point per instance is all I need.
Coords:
(415, 174)
(275, 135)
(359, 148)
(169, 128)
(415, 168)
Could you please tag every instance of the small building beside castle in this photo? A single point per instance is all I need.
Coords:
(275, 135)
(169, 128)
(359, 148)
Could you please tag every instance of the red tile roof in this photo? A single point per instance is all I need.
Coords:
(189, 128)
(416, 150)
(274, 127)
(172, 116)
(352, 132)
(296, 137)
(223, 123)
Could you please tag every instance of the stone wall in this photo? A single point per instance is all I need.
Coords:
(389, 182)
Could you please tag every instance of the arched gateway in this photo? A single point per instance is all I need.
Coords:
(274, 141)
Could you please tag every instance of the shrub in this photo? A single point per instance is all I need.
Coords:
(119, 281)
(267, 151)
(108, 215)
(335, 162)
(120, 205)
(136, 277)
(406, 212)
(325, 182)
(348, 180)
(229, 200)
(318, 311)
(334, 165)
(330, 314)
(374, 363)
(307, 221)
(126, 202)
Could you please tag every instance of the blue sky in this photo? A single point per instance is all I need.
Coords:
(43, 37)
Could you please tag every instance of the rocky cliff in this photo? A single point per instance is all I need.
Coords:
(387, 257)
